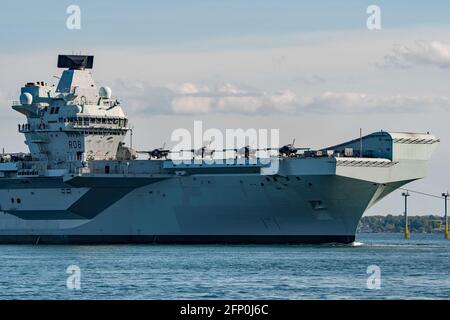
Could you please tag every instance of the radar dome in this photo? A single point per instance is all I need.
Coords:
(26, 98)
(105, 92)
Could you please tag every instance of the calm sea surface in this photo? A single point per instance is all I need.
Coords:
(417, 268)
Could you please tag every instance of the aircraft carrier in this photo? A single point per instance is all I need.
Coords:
(80, 183)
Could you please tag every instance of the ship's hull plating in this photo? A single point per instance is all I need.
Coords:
(173, 239)
(193, 209)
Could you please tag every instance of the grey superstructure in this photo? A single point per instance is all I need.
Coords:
(81, 184)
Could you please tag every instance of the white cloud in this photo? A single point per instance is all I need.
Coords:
(190, 88)
(344, 102)
(230, 98)
(239, 104)
(229, 88)
(191, 105)
(357, 103)
(432, 53)
(287, 101)
(142, 97)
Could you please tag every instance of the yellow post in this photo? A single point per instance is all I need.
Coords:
(406, 195)
(445, 195)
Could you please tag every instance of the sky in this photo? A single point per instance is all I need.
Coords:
(309, 68)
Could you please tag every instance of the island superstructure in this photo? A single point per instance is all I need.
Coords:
(80, 183)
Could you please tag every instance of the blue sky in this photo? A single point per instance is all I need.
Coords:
(41, 24)
(309, 68)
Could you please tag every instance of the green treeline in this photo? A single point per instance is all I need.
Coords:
(390, 223)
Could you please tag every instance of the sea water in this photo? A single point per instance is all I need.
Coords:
(376, 266)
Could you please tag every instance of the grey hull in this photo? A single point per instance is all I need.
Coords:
(185, 239)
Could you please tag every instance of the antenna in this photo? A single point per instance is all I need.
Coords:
(131, 137)
(360, 143)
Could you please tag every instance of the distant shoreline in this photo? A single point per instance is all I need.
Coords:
(399, 232)
(395, 224)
